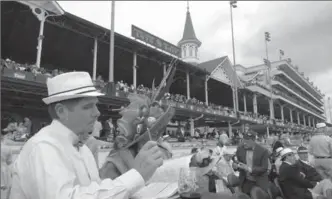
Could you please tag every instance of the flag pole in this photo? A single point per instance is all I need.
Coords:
(111, 63)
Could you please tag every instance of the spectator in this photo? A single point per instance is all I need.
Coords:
(253, 163)
(320, 146)
(310, 172)
(109, 129)
(6, 160)
(28, 125)
(97, 127)
(292, 182)
(324, 188)
(220, 148)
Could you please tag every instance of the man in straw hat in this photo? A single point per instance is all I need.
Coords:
(309, 171)
(51, 165)
(292, 182)
(320, 147)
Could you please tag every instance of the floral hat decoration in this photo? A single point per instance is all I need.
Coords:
(145, 118)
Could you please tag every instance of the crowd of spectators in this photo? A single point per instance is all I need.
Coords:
(18, 130)
(12, 65)
(123, 89)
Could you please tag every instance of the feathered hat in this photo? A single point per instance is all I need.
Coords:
(145, 118)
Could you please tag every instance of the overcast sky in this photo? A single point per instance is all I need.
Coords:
(302, 29)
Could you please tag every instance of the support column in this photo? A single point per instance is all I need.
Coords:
(164, 69)
(135, 69)
(314, 122)
(298, 118)
(230, 132)
(188, 85)
(304, 122)
(192, 127)
(95, 51)
(245, 102)
(271, 109)
(40, 40)
(291, 115)
(268, 131)
(309, 121)
(234, 100)
(282, 112)
(255, 103)
(206, 91)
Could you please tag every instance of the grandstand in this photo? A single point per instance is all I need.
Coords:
(68, 45)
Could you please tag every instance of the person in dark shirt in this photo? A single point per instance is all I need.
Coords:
(309, 171)
(292, 182)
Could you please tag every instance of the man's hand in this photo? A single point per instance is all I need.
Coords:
(245, 167)
(302, 175)
(148, 160)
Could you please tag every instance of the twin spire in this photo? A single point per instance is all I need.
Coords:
(189, 32)
(189, 43)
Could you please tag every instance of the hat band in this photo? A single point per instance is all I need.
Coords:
(58, 93)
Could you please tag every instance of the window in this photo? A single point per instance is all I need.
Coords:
(191, 50)
(184, 50)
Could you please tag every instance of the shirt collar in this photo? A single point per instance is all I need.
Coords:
(305, 162)
(64, 133)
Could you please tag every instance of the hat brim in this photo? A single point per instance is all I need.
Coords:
(59, 98)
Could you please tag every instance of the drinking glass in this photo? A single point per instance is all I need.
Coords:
(187, 180)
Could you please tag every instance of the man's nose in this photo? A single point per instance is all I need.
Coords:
(96, 112)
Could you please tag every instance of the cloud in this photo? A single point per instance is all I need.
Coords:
(303, 29)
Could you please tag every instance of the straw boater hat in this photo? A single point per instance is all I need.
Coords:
(70, 86)
(302, 149)
(285, 152)
(278, 151)
(320, 125)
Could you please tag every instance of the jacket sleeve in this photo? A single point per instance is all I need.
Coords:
(53, 179)
(260, 170)
(236, 159)
(312, 174)
(292, 174)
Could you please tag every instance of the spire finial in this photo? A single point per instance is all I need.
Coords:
(187, 6)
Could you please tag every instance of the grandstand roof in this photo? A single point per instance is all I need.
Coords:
(93, 30)
(209, 66)
(225, 64)
(50, 6)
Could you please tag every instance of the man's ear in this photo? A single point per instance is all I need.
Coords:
(61, 111)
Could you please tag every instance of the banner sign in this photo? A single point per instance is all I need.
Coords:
(155, 41)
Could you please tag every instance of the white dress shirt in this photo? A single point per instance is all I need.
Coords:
(278, 163)
(50, 167)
